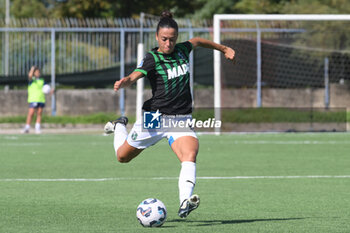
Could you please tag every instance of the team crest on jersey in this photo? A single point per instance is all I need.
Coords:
(181, 55)
(134, 136)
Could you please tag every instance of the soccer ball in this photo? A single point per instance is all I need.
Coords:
(151, 213)
(46, 89)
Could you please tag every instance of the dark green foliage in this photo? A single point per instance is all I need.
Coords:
(196, 8)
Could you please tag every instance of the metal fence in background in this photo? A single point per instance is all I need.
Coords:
(73, 46)
(149, 21)
(89, 50)
(80, 45)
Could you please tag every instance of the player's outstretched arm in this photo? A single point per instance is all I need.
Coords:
(31, 73)
(128, 80)
(227, 51)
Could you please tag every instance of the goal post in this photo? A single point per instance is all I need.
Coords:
(139, 83)
(221, 24)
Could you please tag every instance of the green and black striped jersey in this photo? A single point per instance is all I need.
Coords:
(170, 80)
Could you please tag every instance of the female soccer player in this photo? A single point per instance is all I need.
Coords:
(166, 67)
(36, 99)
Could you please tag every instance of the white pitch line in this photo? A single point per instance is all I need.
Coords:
(17, 144)
(173, 178)
(272, 177)
(292, 142)
(247, 142)
(67, 180)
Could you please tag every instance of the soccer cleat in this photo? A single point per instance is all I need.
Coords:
(25, 131)
(110, 126)
(188, 205)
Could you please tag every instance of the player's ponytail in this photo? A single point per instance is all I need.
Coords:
(167, 21)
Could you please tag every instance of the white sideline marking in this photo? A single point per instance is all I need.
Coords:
(248, 142)
(271, 177)
(175, 178)
(291, 142)
(16, 144)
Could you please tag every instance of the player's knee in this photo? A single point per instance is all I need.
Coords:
(190, 156)
(122, 158)
(193, 156)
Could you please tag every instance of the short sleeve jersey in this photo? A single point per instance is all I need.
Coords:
(170, 80)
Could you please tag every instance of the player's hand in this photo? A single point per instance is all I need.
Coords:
(118, 84)
(31, 73)
(229, 54)
(52, 91)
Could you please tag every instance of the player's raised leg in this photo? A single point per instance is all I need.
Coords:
(186, 149)
(123, 150)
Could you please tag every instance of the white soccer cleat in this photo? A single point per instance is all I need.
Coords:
(25, 131)
(188, 205)
(110, 126)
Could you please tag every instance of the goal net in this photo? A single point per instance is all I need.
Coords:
(299, 63)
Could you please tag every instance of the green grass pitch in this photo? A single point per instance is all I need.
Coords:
(247, 183)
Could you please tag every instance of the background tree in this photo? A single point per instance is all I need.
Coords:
(199, 9)
(330, 34)
(121, 8)
(206, 9)
(259, 7)
(316, 7)
(28, 9)
(2, 9)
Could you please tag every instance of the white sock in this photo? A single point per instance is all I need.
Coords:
(37, 126)
(27, 127)
(187, 180)
(120, 135)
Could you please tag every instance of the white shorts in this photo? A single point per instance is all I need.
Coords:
(141, 138)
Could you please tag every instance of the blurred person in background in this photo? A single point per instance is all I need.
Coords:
(36, 98)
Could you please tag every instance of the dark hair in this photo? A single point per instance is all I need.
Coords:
(167, 21)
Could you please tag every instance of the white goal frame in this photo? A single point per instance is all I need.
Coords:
(257, 17)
